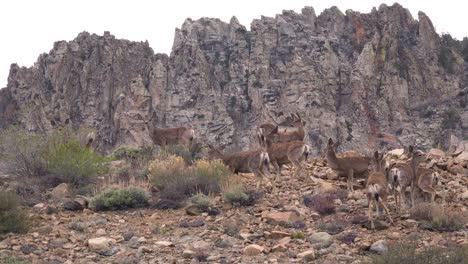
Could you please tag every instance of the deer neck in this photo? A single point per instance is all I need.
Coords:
(414, 163)
(331, 158)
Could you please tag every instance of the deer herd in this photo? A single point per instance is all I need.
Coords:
(283, 144)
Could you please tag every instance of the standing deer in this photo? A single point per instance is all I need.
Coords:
(348, 166)
(254, 161)
(403, 174)
(290, 124)
(172, 136)
(294, 152)
(425, 180)
(376, 188)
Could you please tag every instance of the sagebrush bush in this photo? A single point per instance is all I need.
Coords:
(120, 198)
(408, 253)
(74, 164)
(447, 222)
(425, 211)
(190, 154)
(178, 182)
(23, 151)
(201, 201)
(132, 153)
(57, 157)
(12, 219)
(298, 235)
(236, 195)
(7, 259)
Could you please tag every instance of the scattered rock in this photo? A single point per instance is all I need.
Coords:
(253, 250)
(128, 235)
(283, 217)
(100, 243)
(72, 205)
(320, 240)
(165, 243)
(379, 247)
(307, 256)
(28, 248)
(188, 254)
(60, 192)
(133, 242)
(277, 234)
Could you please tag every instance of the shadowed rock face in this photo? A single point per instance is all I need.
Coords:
(361, 78)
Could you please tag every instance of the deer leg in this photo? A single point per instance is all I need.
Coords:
(386, 211)
(397, 200)
(412, 194)
(277, 170)
(369, 213)
(377, 210)
(350, 180)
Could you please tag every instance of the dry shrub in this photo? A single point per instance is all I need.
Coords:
(178, 182)
(407, 253)
(437, 218)
(120, 198)
(425, 211)
(12, 219)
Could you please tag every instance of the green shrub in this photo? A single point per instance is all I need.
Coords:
(120, 198)
(201, 201)
(236, 195)
(57, 156)
(131, 153)
(407, 253)
(71, 163)
(12, 219)
(298, 235)
(7, 259)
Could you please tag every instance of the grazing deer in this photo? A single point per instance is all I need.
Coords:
(277, 136)
(403, 174)
(294, 152)
(376, 188)
(349, 166)
(425, 180)
(173, 136)
(254, 161)
(290, 124)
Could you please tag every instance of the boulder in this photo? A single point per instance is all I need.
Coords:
(60, 192)
(379, 247)
(283, 217)
(253, 250)
(307, 256)
(320, 240)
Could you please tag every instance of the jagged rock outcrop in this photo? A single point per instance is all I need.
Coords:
(366, 79)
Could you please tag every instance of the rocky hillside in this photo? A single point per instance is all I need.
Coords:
(364, 78)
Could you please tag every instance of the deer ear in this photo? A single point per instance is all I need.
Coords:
(330, 142)
(275, 130)
(410, 149)
(376, 155)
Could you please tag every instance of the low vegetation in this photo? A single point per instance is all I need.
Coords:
(190, 154)
(240, 196)
(120, 198)
(202, 202)
(324, 203)
(56, 157)
(436, 218)
(177, 182)
(12, 219)
(408, 253)
(9, 259)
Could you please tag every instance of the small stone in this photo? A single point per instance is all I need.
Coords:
(133, 243)
(72, 205)
(128, 235)
(101, 232)
(99, 243)
(144, 249)
(279, 248)
(283, 217)
(464, 195)
(308, 255)
(320, 240)
(28, 248)
(379, 247)
(253, 250)
(60, 191)
(188, 254)
(278, 234)
(165, 243)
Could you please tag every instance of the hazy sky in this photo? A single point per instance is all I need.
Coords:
(29, 28)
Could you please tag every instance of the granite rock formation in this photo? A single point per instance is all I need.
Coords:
(369, 80)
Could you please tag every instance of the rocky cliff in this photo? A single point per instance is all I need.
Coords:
(368, 79)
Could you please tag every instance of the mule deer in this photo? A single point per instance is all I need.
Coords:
(254, 161)
(425, 180)
(403, 174)
(376, 188)
(294, 152)
(173, 136)
(291, 124)
(346, 165)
